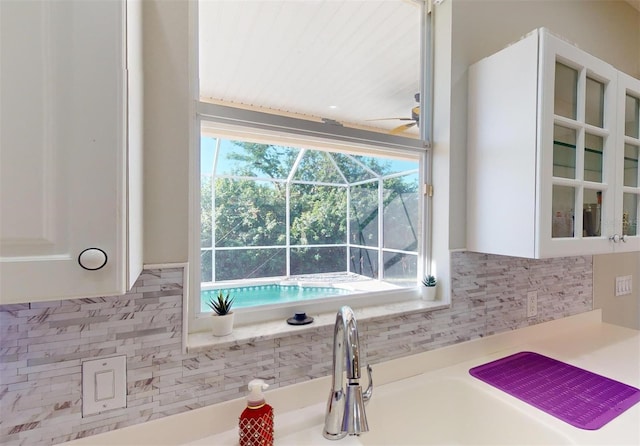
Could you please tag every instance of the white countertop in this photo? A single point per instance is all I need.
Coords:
(582, 340)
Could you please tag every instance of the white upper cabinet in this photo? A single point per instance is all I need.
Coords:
(70, 150)
(550, 133)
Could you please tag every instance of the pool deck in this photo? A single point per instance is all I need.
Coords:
(346, 281)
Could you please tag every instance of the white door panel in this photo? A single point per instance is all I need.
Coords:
(62, 127)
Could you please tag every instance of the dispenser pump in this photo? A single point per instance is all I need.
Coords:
(255, 399)
(256, 421)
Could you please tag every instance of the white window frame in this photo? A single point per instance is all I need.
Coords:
(235, 123)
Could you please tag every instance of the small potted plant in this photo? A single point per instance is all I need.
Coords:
(430, 283)
(222, 317)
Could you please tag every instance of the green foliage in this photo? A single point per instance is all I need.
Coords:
(221, 304)
(250, 213)
(429, 281)
(206, 221)
(318, 214)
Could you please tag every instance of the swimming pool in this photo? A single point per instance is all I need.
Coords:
(250, 296)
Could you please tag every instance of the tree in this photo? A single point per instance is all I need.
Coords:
(250, 212)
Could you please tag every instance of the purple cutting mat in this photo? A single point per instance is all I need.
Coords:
(574, 395)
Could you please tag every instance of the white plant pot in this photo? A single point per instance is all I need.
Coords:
(429, 293)
(222, 325)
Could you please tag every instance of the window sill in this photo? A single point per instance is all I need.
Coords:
(203, 341)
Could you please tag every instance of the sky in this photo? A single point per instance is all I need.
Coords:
(208, 146)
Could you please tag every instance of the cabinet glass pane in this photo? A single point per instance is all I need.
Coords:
(632, 116)
(591, 216)
(593, 158)
(631, 158)
(564, 152)
(563, 200)
(594, 103)
(566, 91)
(630, 214)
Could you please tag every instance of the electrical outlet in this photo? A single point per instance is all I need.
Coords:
(624, 285)
(532, 303)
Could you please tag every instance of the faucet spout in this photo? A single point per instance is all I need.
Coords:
(345, 409)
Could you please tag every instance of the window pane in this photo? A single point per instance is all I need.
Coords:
(591, 215)
(400, 269)
(593, 158)
(255, 160)
(364, 215)
(364, 262)
(562, 209)
(207, 152)
(385, 166)
(318, 214)
(566, 91)
(351, 169)
(631, 158)
(630, 214)
(564, 152)
(632, 116)
(366, 75)
(255, 295)
(249, 213)
(206, 268)
(594, 103)
(250, 263)
(318, 260)
(318, 166)
(206, 217)
(401, 210)
(333, 224)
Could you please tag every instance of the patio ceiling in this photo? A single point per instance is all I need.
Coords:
(346, 60)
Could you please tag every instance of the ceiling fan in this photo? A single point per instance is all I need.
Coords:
(414, 119)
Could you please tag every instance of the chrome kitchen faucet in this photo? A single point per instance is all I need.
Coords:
(345, 408)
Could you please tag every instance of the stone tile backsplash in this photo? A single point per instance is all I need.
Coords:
(43, 344)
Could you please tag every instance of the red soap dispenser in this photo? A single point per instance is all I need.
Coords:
(256, 421)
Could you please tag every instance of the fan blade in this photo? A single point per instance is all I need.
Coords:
(415, 113)
(390, 119)
(402, 128)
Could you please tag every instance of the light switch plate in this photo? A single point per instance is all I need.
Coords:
(624, 285)
(104, 385)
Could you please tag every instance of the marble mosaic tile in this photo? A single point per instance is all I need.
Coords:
(42, 344)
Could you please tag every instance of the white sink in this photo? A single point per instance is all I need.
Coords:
(422, 411)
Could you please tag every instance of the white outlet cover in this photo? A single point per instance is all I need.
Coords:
(104, 385)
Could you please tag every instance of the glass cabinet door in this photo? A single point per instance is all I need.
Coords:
(582, 152)
(630, 174)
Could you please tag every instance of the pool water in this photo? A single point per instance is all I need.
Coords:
(251, 296)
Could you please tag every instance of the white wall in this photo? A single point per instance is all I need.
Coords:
(620, 310)
(166, 135)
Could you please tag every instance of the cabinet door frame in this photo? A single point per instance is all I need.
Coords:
(626, 85)
(552, 50)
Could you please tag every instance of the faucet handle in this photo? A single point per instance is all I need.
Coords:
(366, 396)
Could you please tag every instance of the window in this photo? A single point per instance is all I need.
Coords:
(280, 217)
(311, 153)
